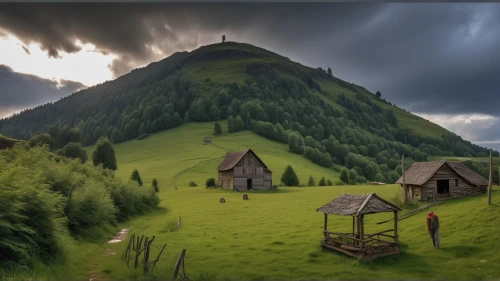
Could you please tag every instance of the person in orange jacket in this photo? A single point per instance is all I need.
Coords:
(432, 224)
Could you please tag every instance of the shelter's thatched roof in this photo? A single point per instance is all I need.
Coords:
(6, 142)
(420, 172)
(232, 158)
(357, 204)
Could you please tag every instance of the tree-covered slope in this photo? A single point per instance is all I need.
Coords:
(318, 115)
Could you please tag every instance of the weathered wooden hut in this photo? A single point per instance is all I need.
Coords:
(442, 179)
(243, 170)
(358, 243)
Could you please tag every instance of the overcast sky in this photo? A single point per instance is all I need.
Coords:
(441, 61)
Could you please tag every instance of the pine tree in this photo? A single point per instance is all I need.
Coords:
(136, 177)
(344, 176)
(322, 182)
(311, 181)
(104, 154)
(155, 185)
(329, 182)
(289, 178)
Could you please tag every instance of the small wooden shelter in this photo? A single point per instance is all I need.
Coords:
(441, 180)
(243, 170)
(357, 243)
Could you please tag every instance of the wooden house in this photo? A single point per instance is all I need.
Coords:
(243, 170)
(442, 179)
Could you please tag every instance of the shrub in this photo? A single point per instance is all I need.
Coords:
(311, 182)
(74, 151)
(192, 184)
(154, 185)
(230, 124)
(217, 128)
(90, 205)
(210, 182)
(136, 177)
(207, 80)
(104, 154)
(329, 182)
(322, 182)
(289, 178)
(40, 140)
(344, 176)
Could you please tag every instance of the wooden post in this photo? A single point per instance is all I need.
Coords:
(326, 222)
(491, 178)
(396, 227)
(362, 234)
(353, 225)
(404, 181)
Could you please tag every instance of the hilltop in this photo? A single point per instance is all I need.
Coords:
(330, 121)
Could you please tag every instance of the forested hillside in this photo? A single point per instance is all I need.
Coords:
(318, 115)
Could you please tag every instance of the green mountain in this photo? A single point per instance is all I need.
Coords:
(321, 116)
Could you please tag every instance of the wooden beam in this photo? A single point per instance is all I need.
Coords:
(395, 226)
(404, 181)
(490, 179)
(362, 236)
(353, 224)
(326, 221)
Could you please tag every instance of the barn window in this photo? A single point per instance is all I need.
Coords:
(243, 170)
(255, 171)
(456, 182)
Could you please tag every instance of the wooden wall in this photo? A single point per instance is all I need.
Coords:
(249, 167)
(225, 179)
(458, 186)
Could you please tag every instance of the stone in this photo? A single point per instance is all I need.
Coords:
(222, 200)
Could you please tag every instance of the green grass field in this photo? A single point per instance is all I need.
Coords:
(276, 234)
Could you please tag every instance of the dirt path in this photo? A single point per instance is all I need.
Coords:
(94, 274)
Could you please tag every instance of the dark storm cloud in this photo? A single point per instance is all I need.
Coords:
(433, 58)
(20, 91)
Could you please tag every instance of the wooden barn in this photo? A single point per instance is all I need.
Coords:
(441, 180)
(243, 170)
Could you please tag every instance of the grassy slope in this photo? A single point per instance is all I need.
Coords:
(275, 235)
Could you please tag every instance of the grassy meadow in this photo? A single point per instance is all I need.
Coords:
(276, 234)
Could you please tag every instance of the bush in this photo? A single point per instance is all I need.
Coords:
(344, 176)
(192, 184)
(329, 182)
(58, 191)
(311, 182)
(40, 140)
(143, 136)
(154, 185)
(210, 182)
(90, 205)
(322, 182)
(104, 154)
(217, 128)
(136, 177)
(207, 80)
(74, 151)
(289, 178)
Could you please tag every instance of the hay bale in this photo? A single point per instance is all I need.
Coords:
(222, 200)
(245, 196)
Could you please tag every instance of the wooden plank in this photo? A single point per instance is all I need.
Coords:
(396, 226)
(341, 250)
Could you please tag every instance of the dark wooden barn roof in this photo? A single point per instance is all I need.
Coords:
(357, 204)
(420, 172)
(232, 158)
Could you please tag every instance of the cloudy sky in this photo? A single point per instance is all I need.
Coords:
(440, 61)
